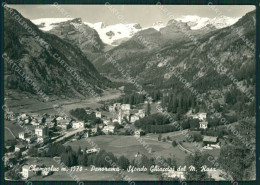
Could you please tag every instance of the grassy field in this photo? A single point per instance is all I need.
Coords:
(16, 129)
(8, 135)
(129, 146)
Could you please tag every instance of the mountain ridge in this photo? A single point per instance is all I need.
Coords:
(182, 53)
(115, 34)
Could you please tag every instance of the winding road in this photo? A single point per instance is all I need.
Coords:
(10, 132)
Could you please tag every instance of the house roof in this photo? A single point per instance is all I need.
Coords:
(210, 138)
(63, 121)
(203, 122)
(26, 166)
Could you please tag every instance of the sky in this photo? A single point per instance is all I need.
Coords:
(145, 15)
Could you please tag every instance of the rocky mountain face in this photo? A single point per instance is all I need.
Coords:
(75, 32)
(42, 66)
(179, 45)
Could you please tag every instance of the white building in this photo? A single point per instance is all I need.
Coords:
(86, 135)
(30, 139)
(203, 124)
(23, 135)
(26, 137)
(202, 116)
(111, 108)
(141, 113)
(35, 122)
(77, 125)
(19, 148)
(106, 121)
(92, 150)
(120, 117)
(134, 118)
(26, 121)
(139, 133)
(125, 107)
(59, 118)
(109, 129)
(41, 131)
(115, 120)
(195, 116)
(23, 116)
(98, 114)
(26, 172)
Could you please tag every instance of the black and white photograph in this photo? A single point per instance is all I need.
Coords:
(128, 92)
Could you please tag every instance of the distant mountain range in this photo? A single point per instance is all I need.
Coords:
(196, 22)
(175, 43)
(125, 43)
(116, 34)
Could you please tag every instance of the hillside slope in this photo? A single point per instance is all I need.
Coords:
(176, 48)
(44, 69)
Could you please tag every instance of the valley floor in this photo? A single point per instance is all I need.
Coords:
(26, 102)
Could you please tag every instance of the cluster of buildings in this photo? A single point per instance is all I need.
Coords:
(119, 113)
(124, 111)
(44, 128)
(210, 142)
(41, 134)
(23, 118)
(202, 119)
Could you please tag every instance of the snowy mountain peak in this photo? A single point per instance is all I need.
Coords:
(115, 34)
(110, 34)
(195, 22)
(46, 24)
(158, 25)
(97, 25)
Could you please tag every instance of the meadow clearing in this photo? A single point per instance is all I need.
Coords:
(129, 146)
